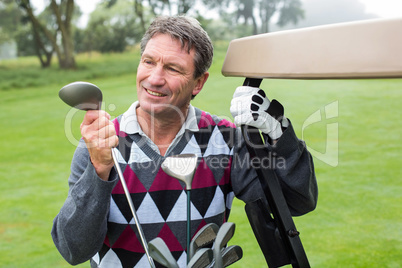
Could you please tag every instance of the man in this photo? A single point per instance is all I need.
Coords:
(95, 221)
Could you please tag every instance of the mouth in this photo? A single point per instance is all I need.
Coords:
(154, 93)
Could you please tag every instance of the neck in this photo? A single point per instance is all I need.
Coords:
(161, 129)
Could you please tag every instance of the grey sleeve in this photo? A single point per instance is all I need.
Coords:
(80, 227)
(294, 168)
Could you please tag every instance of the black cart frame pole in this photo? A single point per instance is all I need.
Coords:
(273, 192)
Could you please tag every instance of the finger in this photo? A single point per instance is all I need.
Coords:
(109, 142)
(244, 91)
(257, 99)
(93, 115)
(107, 131)
(93, 136)
(262, 93)
(240, 105)
(95, 125)
(243, 119)
(261, 101)
(237, 121)
(102, 122)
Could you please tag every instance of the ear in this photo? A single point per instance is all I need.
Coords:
(199, 83)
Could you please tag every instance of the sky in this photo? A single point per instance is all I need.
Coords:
(384, 8)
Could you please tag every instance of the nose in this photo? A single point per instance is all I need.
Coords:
(157, 76)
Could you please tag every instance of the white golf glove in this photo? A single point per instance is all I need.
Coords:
(251, 107)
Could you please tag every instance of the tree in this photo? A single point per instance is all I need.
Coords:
(184, 6)
(247, 11)
(289, 11)
(158, 7)
(139, 10)
(24, 39)
(112, 27)
(10, 20)
(55, 37)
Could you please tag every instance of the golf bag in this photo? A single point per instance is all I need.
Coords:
(267, 234)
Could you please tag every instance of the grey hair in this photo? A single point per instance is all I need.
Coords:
(190, 34)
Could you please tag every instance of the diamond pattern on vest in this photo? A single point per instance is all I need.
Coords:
(192, 147)
(137, 155)
(112, 260)
(170, 239)
(148, 211)
(132, 182)
(216, 144)
(121, 202)
(128, 240)
(163, 182)
(115, 214)
(160, 201)
(165, 201)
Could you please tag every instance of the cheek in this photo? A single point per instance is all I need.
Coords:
(140, 76)
(140, 73)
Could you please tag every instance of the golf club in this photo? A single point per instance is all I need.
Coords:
(161, 253)
(182, 167)
(205, 236)
(86, 96)
(223, 236)
(201, 259)
(231, 254)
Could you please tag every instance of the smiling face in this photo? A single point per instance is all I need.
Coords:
(165, 79)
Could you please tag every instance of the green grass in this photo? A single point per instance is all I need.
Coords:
(358, 219)
(17, 74)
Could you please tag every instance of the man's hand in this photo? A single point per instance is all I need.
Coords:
(251, 107)
(100, 136)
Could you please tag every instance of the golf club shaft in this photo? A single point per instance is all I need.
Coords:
(188, 224)
(131, 204)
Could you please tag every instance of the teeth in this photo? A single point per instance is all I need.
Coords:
(154, 93)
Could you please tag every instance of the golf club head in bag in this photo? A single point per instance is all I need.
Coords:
(204, 237)
(160, 252)
(225, 233)
(201, 259)
(231, 254)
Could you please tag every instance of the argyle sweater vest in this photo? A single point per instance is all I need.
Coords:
(160, 200)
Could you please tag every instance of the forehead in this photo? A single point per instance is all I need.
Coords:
(164, 47)
(166, 41)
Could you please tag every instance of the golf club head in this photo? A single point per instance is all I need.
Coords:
(181, 167)
(231, 254)
(82, 95)
(223, 236)
(160, 252)
(205, 236)
(201, 259)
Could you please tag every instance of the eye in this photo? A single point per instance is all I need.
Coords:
(172, 69)
(147, 61)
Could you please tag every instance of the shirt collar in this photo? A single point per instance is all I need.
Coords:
(129, 123)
